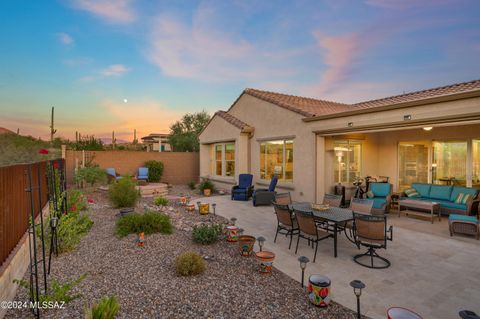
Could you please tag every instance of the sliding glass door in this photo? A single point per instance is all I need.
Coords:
(449, 163)
(476, 163)
(412, 164)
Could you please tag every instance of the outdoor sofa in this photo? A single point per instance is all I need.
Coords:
(446, 196)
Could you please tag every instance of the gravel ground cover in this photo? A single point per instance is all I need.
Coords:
(147, 286)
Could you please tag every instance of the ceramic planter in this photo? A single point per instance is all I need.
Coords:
(319, 290)
(232, 234)
(265, 261)
(245, 243)
(207, 192)
(141, 239)
(190, 207)
(204, 208)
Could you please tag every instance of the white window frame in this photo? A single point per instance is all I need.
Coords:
(223, 161)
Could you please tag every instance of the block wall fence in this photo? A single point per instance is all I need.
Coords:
(179, 167)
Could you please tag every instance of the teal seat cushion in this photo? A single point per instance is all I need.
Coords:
(381, 189)
(378, 202)
(422, 189)
(440, 192)
(466, 190)
(462, 218)
(448, 204)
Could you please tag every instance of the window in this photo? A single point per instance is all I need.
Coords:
(449, 163)
(225, 159)
(476, 163)
(348, 164)
(276, 158)
(412, 164)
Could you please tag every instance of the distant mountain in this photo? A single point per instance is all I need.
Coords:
(108, 140)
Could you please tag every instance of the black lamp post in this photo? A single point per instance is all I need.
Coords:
(198, 205)
(240, 231)
(233, 220)
(303, 264)
(214, 206)
(261, 240)
(467, 314)
(357, 286)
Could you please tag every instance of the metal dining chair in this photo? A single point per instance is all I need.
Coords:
(283, 198)
(358, 205)
(332, 200)
(308, 230)
(371, 231)
(286, 222)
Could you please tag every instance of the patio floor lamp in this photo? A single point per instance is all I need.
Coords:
(261, 241)
(357, 286)
(233, 220)
(303, 264)
(339, 153)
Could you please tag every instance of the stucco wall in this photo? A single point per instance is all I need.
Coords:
(179, 167)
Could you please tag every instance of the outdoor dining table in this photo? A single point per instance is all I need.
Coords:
(335, 215)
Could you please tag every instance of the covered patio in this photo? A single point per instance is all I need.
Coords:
(431, 272)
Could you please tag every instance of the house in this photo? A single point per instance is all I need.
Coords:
(312, 145)
(156, 142)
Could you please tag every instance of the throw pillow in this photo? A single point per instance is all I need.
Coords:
(459, 198)
(370, 194)
(466, 198)
(411, 192)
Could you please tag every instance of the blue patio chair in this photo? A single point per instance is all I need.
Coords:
(112, 174)
(265, 196)
(142, 174)
(244, 189)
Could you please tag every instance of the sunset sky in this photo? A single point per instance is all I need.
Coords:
(165, 58)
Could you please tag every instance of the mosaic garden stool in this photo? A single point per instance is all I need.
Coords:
(463, 224)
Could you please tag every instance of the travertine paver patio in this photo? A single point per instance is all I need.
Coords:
(432, 274)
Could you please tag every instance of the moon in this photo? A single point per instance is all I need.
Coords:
(125, 100)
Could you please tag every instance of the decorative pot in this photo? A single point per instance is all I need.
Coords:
(182, 201)
(141, 239)
(245, 243)
(399, 312)
(204, 208)
(232, 234)
(207, 192)
(190, 207)
(319, 290)
(265, 261)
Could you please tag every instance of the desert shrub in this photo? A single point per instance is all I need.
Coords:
(57, 292)
(155, 170)
(189, 264)
(192, 184)
(149, 223)
(91, 175)
(206, 184)
(160, 201)
(71, 229)
(206, 234)
(75, 200)
(106, 308)
(123, 192)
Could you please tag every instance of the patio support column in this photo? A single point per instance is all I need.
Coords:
(241, 154)
(320, 153)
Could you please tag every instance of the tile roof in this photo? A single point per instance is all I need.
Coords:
(309, 107)
(421, 95)
(306, 106)
(232, 119)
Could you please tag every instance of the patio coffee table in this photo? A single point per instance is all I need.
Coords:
(417, 208)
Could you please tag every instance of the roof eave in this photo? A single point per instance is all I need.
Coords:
(438, 99)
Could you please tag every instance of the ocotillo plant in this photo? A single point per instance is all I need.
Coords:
(52, 125)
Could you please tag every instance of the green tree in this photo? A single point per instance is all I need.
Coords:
(184, 133)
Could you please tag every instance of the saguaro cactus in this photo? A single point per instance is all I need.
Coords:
(114, 140)
(52, 125)
(135, 141)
